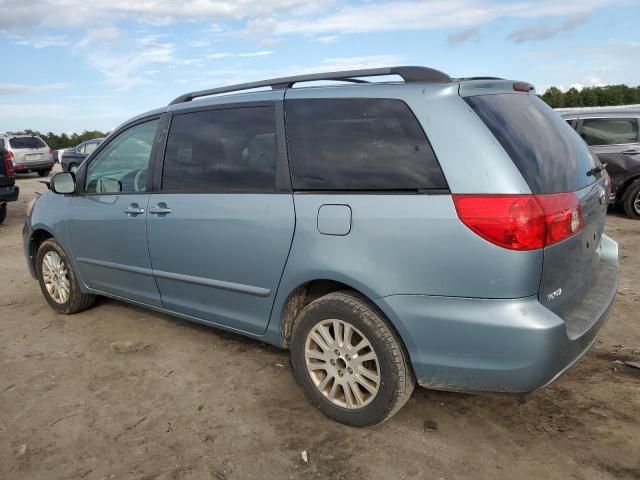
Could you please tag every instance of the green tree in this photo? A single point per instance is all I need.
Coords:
(608, 95)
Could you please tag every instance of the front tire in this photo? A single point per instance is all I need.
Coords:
(350, 363)
(58, 281)
(631, 202)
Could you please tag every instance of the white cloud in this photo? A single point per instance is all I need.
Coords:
(22, 89)
(21, 111)
(328, 39)
(126, 64)
(97, 35)
(411, 15)
(218, 56)
(42, 41)
(19, 14)
(352, 63)
(198, 43)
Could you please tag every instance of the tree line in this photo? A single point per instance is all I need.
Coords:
(63, 140)
(607, 96)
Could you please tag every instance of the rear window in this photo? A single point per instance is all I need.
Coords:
(359, 144)
(550, 155)
(609, 131)
(26, 142)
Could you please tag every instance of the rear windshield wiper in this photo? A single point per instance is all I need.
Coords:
(597, 169)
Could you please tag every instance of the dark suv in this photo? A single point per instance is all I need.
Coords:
(614, 137)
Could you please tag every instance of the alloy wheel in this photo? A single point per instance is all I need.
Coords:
(342, 364)
(56, 277)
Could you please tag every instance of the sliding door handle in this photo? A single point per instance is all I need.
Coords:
(160, 209)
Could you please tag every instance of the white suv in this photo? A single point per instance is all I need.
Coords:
(28, 153)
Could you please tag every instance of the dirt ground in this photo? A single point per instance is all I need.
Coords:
(120, 392)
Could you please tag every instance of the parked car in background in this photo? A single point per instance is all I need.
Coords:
(445, 232)
(73, 157)
(28, 153)
(57, 154)
(8, 189)
(614, 137)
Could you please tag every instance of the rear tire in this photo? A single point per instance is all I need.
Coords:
(44, 173)
(361, 387)
(3, 213)
(631, 202)
(58, 281)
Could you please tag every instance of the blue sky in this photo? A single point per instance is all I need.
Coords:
(70, 65)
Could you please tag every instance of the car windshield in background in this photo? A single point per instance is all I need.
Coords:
(550, 155)
(26, 142)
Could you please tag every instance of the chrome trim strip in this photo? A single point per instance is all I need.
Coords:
(116, 266)
(207, 282)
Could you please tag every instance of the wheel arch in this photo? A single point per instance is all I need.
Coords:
(621, 196)
(38, 236)
(308, 291)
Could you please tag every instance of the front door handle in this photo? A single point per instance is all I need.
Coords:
(160, 209)
(134, 210)
(630, 152)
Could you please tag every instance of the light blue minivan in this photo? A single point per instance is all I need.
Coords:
(430, 230)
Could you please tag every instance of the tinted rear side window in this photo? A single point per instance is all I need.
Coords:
(550, 155)
(609, 131)
(359, 144)
(229, 149)
(26, 142)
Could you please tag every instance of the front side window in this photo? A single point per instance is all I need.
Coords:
(217, 150)
(122, 166)
(359, 144)
(609, 131)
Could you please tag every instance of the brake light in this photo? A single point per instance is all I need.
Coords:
(8, 164)
(521, 222)
(522, 87)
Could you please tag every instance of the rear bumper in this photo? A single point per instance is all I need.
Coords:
(9, 193)
(496, 345)
(33, 166)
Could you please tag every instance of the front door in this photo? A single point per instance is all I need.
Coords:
(107, 226)
(220, 229)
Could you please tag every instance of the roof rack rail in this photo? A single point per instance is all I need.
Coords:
(462, 79)
(408, 74)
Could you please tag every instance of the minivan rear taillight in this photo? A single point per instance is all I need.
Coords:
(521, 222)
(8, 164)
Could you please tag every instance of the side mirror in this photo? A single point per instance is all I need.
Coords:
(63, 182)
